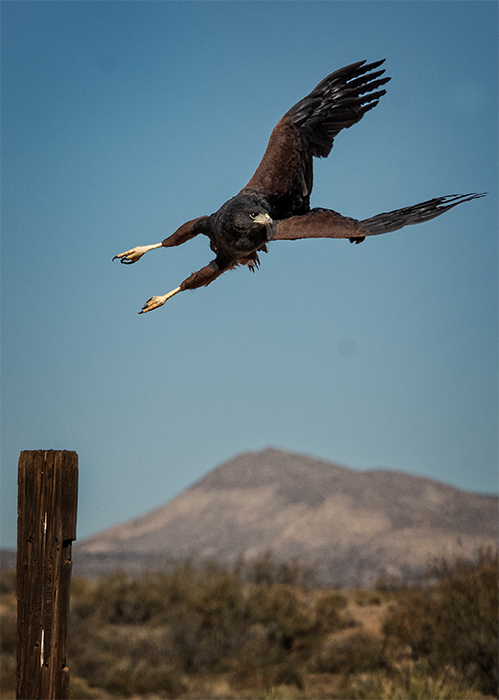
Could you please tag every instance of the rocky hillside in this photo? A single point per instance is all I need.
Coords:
(351, 526)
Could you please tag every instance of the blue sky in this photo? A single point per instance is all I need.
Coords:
(122, 120)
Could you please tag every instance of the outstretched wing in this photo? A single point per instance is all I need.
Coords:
(318, 223)
(325, 223)
(308, 129)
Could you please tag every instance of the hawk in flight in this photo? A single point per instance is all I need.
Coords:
(275, 204)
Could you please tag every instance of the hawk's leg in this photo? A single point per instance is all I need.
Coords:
(202, 277)
(134, 254)
(181, 235)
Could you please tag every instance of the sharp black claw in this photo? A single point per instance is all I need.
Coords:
(123, 261)
(144, 308)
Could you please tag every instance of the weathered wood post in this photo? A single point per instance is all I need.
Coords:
(46, 527)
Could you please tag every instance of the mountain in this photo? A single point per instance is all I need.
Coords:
(351, 526)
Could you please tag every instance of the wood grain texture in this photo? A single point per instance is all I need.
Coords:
(46, 528)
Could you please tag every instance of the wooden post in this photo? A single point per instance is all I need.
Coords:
(46, 527)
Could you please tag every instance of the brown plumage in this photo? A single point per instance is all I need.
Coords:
(275, 204)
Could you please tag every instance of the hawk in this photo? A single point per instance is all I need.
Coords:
(275, 204)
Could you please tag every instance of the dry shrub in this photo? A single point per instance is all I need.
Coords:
(263, 632)
(138, 634)
(354, 653)
(453, 622)
(265, 569)
(8, 628)
(366, 597)
(411, 682)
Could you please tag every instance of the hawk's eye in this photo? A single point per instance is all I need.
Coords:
(253, 215)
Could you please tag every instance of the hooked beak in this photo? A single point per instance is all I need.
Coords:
(263, 218)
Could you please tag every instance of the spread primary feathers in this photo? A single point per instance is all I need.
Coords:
(275, 204)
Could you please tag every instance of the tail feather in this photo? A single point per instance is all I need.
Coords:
(417, 214)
